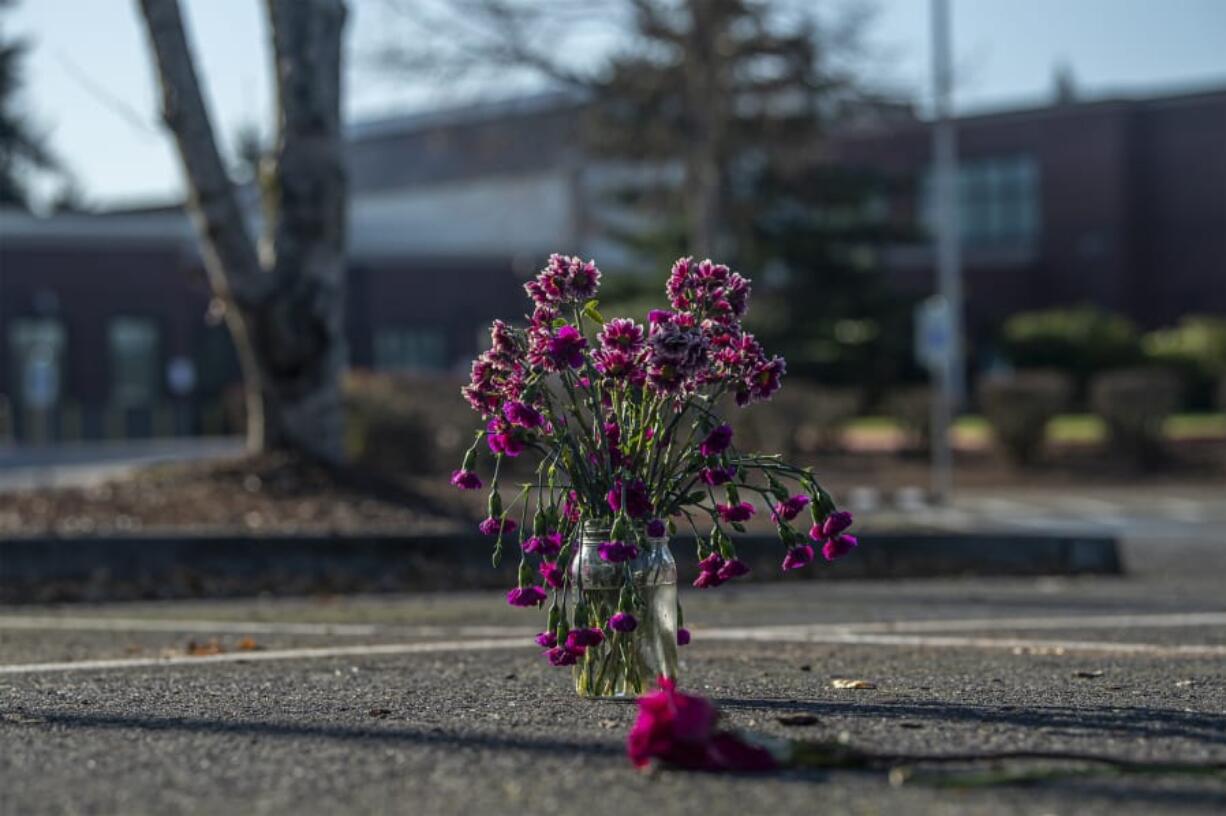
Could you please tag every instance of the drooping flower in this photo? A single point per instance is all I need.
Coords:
(741, 511)
(638, 503)
(680, 730)
(547, 640)
(733, 568)
(584, 638)
(527, 596)
(717, 441)
(790, 507)
(492, 526)
(522, 415)
(566, 347)
(552, 573)
(546, 546)
(711, 563)
(839, 546)
(656, 529)
(623, 622)
(616, 552)
(466, 480)
(561, 656)
(504, 438)
(683, 636)
(571, 510)
(707, 580)
(836, 523)
(798, 556)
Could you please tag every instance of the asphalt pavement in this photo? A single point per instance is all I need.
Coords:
(429, 704)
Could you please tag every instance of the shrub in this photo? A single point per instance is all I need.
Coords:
(1019, 406)
(801, 419)
(400, 424)
(1134, 404)
(1196, 350)
(911, 408)
(1081, 341)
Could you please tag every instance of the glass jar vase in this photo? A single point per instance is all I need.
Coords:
(626, 664)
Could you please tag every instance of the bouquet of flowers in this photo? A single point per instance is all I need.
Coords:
(624, 421)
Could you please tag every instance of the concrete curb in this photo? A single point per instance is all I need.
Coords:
(35, 570)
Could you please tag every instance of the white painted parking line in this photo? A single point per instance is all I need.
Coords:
(214, 627)
(1070, 622)
(271, 654)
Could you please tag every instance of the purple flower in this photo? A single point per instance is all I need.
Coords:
(561, 656)
(546, 640)
(790, 507)
(527, 596)
(566, 347)
(659, 315)
(763, 381)
(552, 574)
(615, 552)
(525, 416)
(711, 563)
(584, 638)
(466, 480)
(839, 546)
(656, 529)
(492, 526)
(676, 347)
(798, 557)
(836, 523)
(707, 580)
(733, 568)
(546, 546)
(638, 503)
(616, 363)
(683, 636)
(717, 441)
(564, 279)
(622, 334)
(623, 622)
(717, 476)
(503, 438)
(741, 511)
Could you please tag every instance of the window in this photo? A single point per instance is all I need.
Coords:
(37, 347)
(998, 201)
(133, 345)
(404, 348)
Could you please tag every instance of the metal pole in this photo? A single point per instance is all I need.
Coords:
(950, 386)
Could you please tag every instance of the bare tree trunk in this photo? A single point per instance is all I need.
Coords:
(285, 302)
(705, 101)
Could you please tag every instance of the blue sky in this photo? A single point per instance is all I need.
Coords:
(90, 85)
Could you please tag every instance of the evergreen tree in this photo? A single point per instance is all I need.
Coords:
(22, 149)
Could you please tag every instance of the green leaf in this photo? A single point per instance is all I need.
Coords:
(589, 309)
(558, 322)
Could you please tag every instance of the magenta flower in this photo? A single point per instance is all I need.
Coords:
(707, 580)
(717, 441)
(525, 416)
(503, 438)
(622, 335)
(466, 480)
(680, 730)
(733, 568)
(763, 381)
(552, 574)
(566, 347)
(616, 552)
(798, 557)
(571, 510)
(839, 546)
(741, 511)
(564, 279)
(584, 638)
(683, 636)
(790, 507)
(619, 365)
(659, 316)
(561, 656)
(546, 546)
(492, 526)
(836, 523)
(623, 622)
(656, 529)
(718, 475)
(546, 640)
(527, 596)
(711, 563)
(638, 503)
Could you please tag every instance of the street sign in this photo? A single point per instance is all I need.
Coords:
(934, 334)
(180, 376)
(41, 381)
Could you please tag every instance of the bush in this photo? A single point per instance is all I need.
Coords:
(1195, 350)
(1134, 404)
(1081, 341)
(911, 408)
(1019, 406)
(400, 424)
(801, 419)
